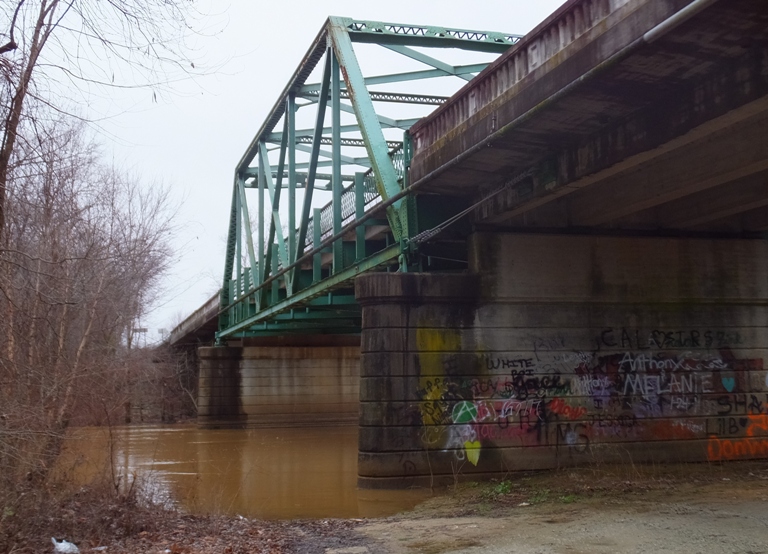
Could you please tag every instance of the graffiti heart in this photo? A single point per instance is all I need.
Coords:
(472, 448)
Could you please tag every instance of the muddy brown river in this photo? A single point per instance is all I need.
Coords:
(276, 473)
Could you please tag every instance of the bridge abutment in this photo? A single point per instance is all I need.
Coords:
(556, 350)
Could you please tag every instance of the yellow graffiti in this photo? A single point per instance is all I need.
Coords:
(434, 345)
(472, 448)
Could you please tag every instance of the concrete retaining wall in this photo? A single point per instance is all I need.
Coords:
(560, 350)
(278, 385)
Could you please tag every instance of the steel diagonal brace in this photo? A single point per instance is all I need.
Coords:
(409, 76)
(325, 154)
(424, 74)
(248, 233)
(313, 162)
(384, 121)
(429, 60)
(370, 127)
(274, 198)
(271, 232)
(277, 137)
(387, 122)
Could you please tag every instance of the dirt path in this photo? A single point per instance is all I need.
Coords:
(685, 510)
(738, 527)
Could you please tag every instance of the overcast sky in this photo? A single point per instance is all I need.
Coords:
(191, 137)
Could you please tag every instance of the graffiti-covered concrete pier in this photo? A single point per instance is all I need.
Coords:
(556, 350)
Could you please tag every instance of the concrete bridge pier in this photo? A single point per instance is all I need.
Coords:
(302, 380)
(556, 350)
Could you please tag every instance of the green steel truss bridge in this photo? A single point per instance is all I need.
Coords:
(340, 129)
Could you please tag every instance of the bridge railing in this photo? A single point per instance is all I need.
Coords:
(371, 197)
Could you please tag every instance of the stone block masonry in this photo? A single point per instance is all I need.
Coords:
(557, 350)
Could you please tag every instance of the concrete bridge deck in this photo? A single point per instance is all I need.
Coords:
(630, 116)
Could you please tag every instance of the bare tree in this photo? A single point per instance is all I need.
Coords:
(84, 249)
(47, 47)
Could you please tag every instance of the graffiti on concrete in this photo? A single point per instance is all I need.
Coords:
(634, 386)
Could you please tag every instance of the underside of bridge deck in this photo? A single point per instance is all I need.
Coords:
(661, 134)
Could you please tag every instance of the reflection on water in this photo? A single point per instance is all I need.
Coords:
(266, 473)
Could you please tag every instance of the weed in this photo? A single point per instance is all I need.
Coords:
(568, 499)
(502, 488)
(539, 496)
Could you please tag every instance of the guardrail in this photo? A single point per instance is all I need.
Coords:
(204, 314)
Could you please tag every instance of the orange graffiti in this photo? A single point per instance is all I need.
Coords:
(757, 422)
(738, 449)
(558, 406)
(735, 449)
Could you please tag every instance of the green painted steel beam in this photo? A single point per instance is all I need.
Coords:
(315, 314)
(307, 205)
(337, 327)
(276, 137)
(380, 96)
(290, 139)
(333, 300)
(308, 64)
(313, 291)
(370, 128)
(425, 74)
(317, 238)
(361, 161)
(336, 186)
(262, 260)
(246, 217)
(386, 122)
(276, 226)
(359, 212)
(229, 255)
(421, 35)
(300, 177)
(346, 142)
(428, 60)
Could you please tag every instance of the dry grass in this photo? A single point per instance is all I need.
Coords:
(89, 515)
(603, 483)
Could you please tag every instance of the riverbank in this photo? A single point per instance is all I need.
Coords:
(676, 508)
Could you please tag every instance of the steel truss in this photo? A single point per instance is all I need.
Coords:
(296, 275)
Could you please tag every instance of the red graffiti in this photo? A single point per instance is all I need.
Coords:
(558, 406)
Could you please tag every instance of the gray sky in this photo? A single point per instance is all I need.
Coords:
(191, 137)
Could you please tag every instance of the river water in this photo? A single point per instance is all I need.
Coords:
(276, 473)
